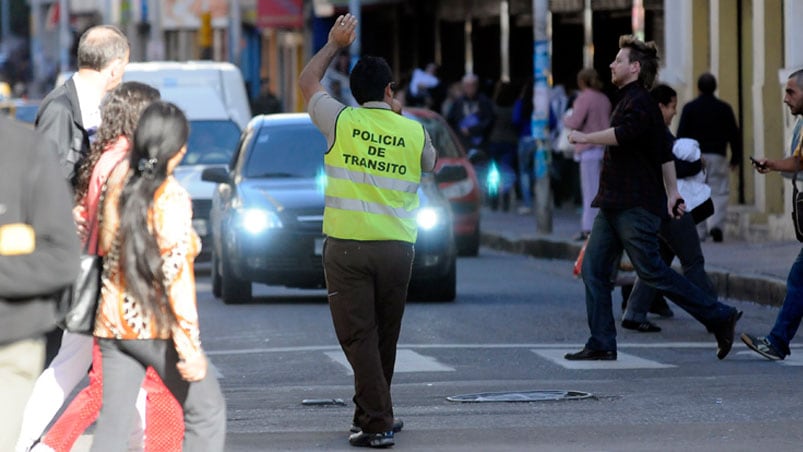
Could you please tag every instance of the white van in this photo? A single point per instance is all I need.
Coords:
(213, 96)
(223, 78)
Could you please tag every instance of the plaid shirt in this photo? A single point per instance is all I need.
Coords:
(631, 171)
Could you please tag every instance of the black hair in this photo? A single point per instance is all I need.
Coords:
(707, 83)
(647, 56)
(663, 94)
(161, 133)
(99, 46)
(369, 78)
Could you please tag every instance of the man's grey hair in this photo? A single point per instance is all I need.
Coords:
(100, 45)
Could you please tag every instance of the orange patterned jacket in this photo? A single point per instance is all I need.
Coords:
(119, 315)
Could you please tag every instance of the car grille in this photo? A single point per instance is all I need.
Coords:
(308, 220)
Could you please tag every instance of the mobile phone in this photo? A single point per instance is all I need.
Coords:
(758, 165)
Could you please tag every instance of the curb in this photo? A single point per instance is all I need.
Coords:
(756, 288)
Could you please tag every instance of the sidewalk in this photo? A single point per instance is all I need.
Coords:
(753, 271)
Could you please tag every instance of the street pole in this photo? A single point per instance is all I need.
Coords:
(354, 48)
(540, 118)
(235, 32)
(637, 19)
(588, 28)
(468, 48)
(504, 39)
(65, 39)
(156, 47)
(37, 52)
(6, 12)
(107, 11)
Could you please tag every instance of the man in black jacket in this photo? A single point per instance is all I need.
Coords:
(711, 122)
(70, 113)
(38, 256)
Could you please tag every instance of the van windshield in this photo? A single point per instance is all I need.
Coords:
(211, 142)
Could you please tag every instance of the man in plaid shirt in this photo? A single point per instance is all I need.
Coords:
(638, 190)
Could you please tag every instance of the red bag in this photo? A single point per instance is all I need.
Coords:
(578, 263)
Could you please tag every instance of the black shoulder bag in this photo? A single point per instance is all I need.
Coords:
(81, 299)
(797, 206)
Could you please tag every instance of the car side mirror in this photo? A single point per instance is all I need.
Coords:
(218, 174)
(451, 173)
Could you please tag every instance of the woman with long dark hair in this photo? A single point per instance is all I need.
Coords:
(148, 314)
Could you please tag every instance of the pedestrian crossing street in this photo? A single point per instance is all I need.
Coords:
(410, 359)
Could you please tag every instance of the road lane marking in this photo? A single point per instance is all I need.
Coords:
(317, 348)
(406, 361)
(623, 361)
(791, 360)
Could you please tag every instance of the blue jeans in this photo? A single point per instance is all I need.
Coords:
(677, 238)
(635, 231)
(525, 152)
(788, 320)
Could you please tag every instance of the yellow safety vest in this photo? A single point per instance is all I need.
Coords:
(372, 175)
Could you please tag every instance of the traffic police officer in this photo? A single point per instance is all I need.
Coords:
(373, 170)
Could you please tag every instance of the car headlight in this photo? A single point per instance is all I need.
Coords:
(257, 220)
(430, 217)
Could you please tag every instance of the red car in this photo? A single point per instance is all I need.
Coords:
(456, 179)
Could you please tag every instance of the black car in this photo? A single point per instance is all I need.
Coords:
(267, 215)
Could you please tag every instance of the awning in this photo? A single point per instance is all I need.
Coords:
(280, 14)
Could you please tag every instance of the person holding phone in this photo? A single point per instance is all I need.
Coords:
(775, 345)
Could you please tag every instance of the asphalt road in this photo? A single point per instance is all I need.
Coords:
(513, 319)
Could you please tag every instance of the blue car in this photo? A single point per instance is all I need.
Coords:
(267, 214)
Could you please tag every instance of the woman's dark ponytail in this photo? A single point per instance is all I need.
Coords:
(160, 134)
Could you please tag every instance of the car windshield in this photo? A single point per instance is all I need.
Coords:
(211, 142)
(286, 151)
(441, 138)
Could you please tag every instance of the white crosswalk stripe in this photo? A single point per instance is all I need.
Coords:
(406, 361)
(795, 360)
(623, 361)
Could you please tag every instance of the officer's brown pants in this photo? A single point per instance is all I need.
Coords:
(367, 286)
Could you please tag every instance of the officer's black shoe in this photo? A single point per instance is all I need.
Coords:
(398, 425)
